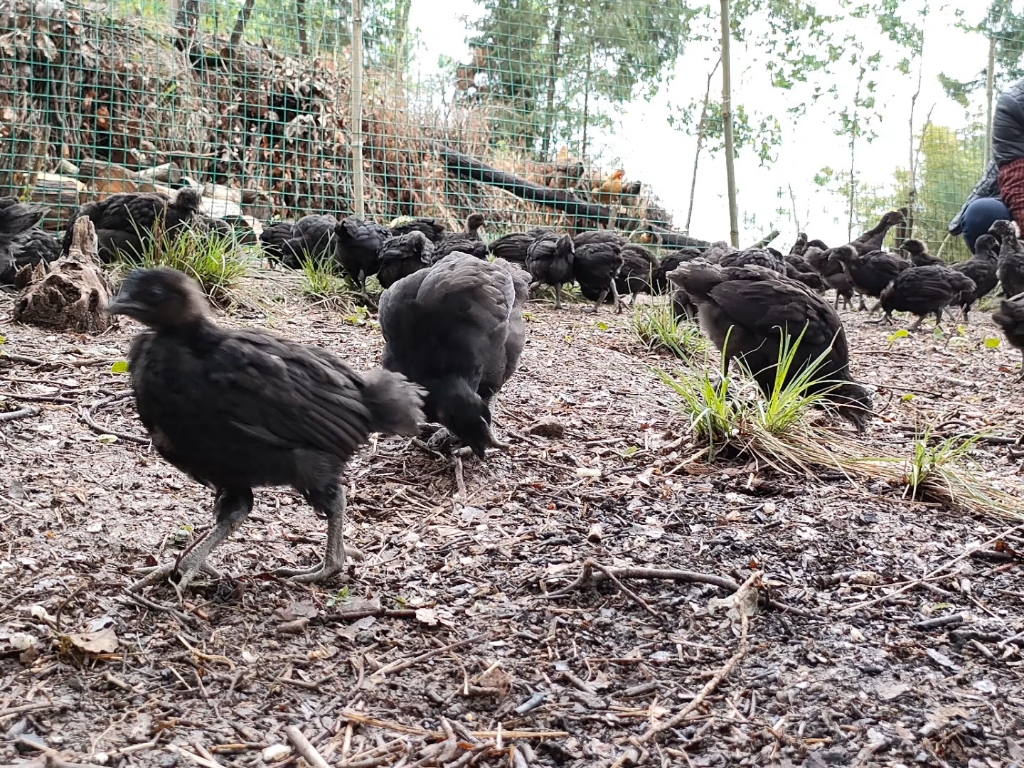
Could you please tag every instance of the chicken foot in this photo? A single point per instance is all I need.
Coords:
(334, 557)
(230, 508)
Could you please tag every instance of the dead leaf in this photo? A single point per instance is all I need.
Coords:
(941, 659)
(296, 611)
(101, 641)
(427, 616)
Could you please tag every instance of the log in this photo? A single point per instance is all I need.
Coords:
(61, 194)
(168, 173)
(107, 178)
(70, 294)
(470, 169)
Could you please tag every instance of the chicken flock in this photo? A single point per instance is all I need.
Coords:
(240, 409)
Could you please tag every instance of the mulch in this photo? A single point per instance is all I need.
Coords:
(467, 636)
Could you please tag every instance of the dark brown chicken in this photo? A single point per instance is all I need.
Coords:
(751, 313)
(240, 409)
(468, 241)
(22, 242)
(402, 256)
(549, 260)
(431, 229)
(870, 273)
(595, 266)
(1011, 258)
(918, 252)
(983, 269)
(358, 245)
(924, 291)
(125, 223)
(457, 330)
(639, 272)
(311, 238)
(1010, 317)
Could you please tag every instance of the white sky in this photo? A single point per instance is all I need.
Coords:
(644, 144)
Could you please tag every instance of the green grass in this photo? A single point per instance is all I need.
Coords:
(936, 471)
(322, 285)
(655, 326)
(211, 259)
(728, 413)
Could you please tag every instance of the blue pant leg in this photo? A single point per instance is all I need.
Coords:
(979, 216)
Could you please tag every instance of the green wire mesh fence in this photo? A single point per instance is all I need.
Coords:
(253, 100)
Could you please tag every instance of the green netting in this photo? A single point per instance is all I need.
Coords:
(253, 100)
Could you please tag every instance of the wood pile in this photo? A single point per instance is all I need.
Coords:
(125, 105)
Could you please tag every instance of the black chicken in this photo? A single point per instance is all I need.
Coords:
(1010, 317)
(753, 257)
(125, 223)
(595, 266)
(22, 243)
(310, 238)
(549, 260)
(919, 254)
(924, 291)
(873, 239)
(591, 236)
(464, 242)
(457, 329)
(639, 272)
(799, 247)
(513, 246)
(358, 245)
(239, 409)
(1011, 258)
(403, 255)
(433, 229)
(819, 258)
(753, 310)
(982, 268)
(870, 273)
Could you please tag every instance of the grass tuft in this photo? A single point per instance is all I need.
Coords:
(211, 258)
(322, 285)
(655, 326)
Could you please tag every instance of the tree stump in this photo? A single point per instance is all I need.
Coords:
(70, 294)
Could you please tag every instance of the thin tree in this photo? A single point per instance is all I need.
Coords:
(730, 150)
(702, 133)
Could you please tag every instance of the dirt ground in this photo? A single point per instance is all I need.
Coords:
(896, 637)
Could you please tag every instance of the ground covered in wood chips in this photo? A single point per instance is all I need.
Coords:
(895, 638)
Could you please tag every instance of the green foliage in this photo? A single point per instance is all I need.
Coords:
(656, 327)
(209, 258)
(121, 366)
(553, 67)
(1005, 25)
(762, 133)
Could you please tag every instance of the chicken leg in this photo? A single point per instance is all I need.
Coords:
(230, 508)
(617, 298)
(332, 503)
(558, 295)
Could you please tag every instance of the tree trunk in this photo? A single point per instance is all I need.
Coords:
(730, 144)
(556, 51)
(854, 126)
(990, 87)
(240, 21)
(401, 55)
(300, 26)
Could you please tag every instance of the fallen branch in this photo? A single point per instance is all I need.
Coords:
(304, 748)
(720, 675)
(86, 415)
(622, 587)
(398, 666)
(412, 730)
(587, 576)
(21, 413)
